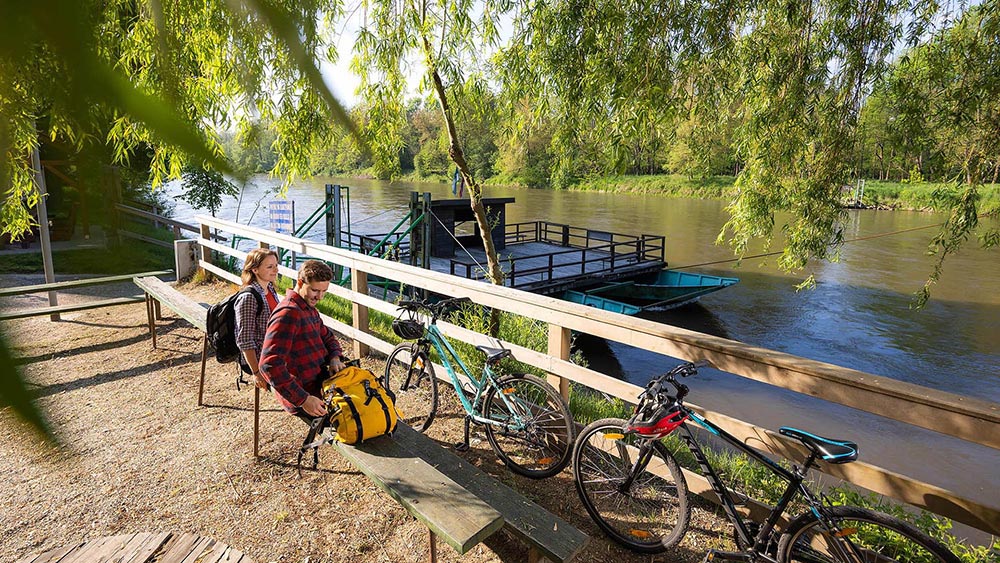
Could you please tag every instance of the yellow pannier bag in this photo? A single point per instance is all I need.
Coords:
(366, 409)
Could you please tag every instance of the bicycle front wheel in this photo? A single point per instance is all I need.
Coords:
(410, 376)
(535, 434)
(857, 535)
(632, 488)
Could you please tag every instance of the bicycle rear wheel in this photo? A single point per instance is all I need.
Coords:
(542, 447)
(632, 488)
(858, 535)
(410, 376)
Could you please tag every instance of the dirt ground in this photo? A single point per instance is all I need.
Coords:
(137, 454)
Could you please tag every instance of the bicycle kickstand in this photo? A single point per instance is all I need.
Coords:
(464, 446)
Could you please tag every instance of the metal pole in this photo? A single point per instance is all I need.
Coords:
(338, 205)
(329, 218)
(43, 228)
(414, 234)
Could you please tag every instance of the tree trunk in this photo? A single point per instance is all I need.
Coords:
(494, 272)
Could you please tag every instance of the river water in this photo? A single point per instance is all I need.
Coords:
(859, 316)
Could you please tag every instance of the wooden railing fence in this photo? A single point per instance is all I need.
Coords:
(967, 418)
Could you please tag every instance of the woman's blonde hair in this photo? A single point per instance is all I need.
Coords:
(254, 259)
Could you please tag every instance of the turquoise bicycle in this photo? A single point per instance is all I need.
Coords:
(526, 421)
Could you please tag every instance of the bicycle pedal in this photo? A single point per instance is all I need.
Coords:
(461, 446)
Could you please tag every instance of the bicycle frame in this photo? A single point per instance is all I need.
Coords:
(794, 477)
(444, 349)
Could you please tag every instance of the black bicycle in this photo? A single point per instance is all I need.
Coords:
(634, 489)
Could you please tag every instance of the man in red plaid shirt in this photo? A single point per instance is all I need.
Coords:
(299, 350)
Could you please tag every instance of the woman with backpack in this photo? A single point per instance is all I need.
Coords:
(253, 307)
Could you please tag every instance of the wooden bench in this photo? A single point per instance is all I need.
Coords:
(409, 466)
(451, 513)
(71, 284)
(158, 292)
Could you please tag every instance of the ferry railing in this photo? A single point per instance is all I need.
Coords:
(561, 234)
(571, 263)
(967, 418)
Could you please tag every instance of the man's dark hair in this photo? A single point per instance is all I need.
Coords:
(314, 270)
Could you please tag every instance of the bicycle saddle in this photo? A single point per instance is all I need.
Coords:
(828, 449)
(493, 355)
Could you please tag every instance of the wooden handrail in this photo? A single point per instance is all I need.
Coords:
(967, 418)
(154, 217)
(85, 282)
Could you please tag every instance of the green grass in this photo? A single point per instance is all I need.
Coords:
(933, 525)
(922, 195)
(126, 259)
(673, 185)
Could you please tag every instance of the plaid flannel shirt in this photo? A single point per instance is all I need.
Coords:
(297, 349)
(251, 320)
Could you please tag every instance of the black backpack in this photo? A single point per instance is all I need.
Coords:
(221, 326)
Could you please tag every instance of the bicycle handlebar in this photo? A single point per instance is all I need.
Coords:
(655, 391)
(435, 309)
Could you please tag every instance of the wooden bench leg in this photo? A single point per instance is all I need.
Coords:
(204, 358)
(156, 309)
(256, 421)
(149, 318)
(534, 556)
(433, 545)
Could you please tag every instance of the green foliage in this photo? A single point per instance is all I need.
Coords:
(674, 185)
(14, 394)
(204, 189)
(933, 525)
(588, 405)
(120, 78)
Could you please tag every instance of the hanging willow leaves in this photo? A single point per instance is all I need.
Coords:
(109, 79)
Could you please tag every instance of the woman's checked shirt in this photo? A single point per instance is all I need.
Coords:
(251, 319)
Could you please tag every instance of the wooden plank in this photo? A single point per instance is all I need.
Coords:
(216, 552)
(69, 308)
(154, 217)
(188, 309)
(220, 272)
(144, 238)
(554, 537)
(84, 552)
(145, 549)
(201, 549)
(455, 515)
(133, 543)
(7, 291)
(179, 546)
(111, 546)
(50, 556)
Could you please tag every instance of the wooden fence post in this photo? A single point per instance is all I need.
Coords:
(206, 252)
(559, 342)
(359, 313)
